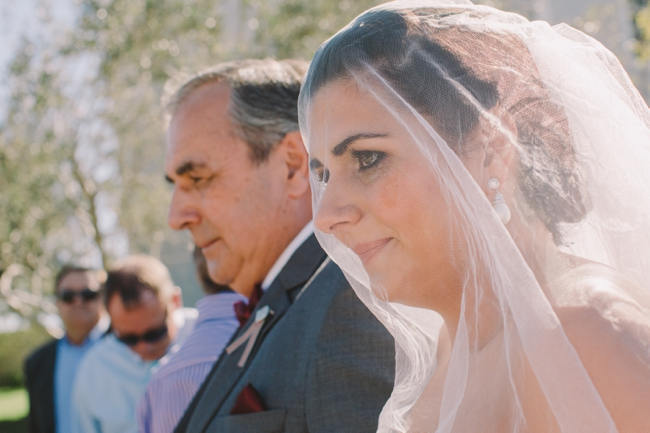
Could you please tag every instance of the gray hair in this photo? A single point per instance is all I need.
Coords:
(263, 100)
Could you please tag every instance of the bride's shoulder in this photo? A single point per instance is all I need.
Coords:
(602, 311)
(606, 318)
(601, 293)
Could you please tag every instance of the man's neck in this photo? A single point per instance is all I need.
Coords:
(266, 274)
(76, 337)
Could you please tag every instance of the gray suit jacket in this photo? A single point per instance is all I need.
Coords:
(322, 362)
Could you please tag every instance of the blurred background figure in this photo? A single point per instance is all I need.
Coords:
(146, 320)
(182, 371)
(50, 370)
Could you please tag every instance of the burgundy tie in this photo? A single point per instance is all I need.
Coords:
(243, 310)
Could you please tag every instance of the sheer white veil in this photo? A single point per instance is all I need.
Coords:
(581, 134)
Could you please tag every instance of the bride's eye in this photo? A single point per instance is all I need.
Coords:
(367, 158)
(321, 174)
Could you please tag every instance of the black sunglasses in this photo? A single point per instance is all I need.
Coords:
(151, 336)
(68, 295)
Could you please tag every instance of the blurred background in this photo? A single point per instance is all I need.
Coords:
(82, 129)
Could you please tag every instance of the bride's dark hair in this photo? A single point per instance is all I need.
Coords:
(412, 51)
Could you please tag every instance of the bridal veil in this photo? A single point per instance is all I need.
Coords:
(580, 134)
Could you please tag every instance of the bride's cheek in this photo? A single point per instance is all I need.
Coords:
(389, 195)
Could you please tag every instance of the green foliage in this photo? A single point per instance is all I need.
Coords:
(14, 348)
(32, 155)
(14, 426)
(295, 28)
(82, 144)
(14, 404)
(642, 22)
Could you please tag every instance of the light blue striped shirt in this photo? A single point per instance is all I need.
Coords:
(111, 380)
(181, 373)
(68, 358)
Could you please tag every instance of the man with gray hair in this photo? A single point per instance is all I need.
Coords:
(309, 357)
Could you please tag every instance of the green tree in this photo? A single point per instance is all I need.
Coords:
(642, 28)
(40, 184)
(82, 141)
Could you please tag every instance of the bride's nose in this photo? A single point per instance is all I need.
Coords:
(336, 208)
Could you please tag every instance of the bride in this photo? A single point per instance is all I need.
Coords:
(484, 183)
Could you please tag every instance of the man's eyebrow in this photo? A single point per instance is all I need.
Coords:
(188, 166)
(340, 148)
(185, 168)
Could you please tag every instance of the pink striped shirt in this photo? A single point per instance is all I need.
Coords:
(183, 370)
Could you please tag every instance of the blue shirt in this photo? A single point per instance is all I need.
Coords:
(182, 372)
(111, 381)
(68, 357)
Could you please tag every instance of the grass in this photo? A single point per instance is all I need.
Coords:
(13, 404)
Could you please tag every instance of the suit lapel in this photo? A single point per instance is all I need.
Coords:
(226, 374)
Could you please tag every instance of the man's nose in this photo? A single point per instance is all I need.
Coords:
(77, 301)
(183, 211)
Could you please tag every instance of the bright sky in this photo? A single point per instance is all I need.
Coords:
(19, 19)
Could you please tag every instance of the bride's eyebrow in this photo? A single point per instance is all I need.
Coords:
(340, 148)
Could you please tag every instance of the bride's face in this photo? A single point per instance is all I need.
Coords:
(380, 197)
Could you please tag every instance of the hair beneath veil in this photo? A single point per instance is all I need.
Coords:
(581, 135)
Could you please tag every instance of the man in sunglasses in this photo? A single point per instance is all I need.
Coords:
(146, 320)
(50, 370)
(181, 373)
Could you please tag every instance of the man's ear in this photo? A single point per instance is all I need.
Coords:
(176, 299)
(297, 164)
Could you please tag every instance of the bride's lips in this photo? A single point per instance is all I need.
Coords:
(367, 250)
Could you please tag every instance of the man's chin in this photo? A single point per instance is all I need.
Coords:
(85, 323)
(150, 358)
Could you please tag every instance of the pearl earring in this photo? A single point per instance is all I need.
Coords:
(499, 204)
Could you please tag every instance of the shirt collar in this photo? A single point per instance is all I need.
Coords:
(287, 253)
(218, 306)
(102, 326)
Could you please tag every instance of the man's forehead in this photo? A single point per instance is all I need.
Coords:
(147, 301)
(207, 100)
(201, 121)
(184, 154)
(76, 278)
